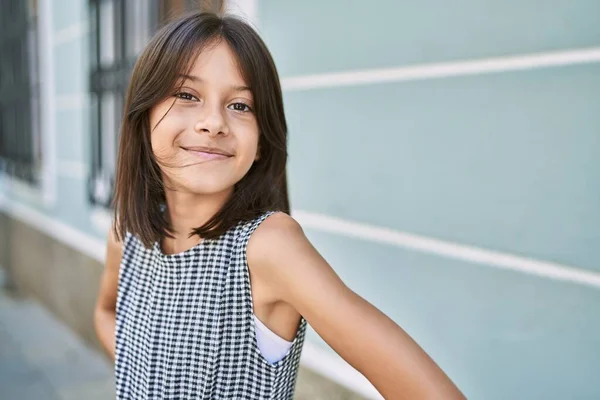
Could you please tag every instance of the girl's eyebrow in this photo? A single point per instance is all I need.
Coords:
(197, 79)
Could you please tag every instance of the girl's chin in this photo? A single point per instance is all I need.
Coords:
(204, 188)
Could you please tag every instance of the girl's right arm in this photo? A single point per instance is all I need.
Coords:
(105, 310)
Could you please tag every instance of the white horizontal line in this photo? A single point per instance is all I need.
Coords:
(447, 249)
(56, 229)
(442, 70)
(70, 33)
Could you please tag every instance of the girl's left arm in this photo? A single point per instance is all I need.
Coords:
(281, 256)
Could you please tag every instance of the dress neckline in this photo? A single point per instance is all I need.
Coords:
(158, 251)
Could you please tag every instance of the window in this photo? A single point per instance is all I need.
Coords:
(20, 144)
(120, 30)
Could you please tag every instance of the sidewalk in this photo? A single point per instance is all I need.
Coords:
(41, 359)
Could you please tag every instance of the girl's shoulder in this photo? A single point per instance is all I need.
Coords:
(270, 223)
(273, 231)
(272, 228)
(278, 221)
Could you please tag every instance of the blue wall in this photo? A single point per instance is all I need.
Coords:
(505, 161)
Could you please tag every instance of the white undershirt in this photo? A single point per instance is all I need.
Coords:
(271, 346)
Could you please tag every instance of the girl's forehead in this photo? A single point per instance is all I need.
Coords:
(218, 60)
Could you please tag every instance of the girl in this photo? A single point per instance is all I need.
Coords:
(209, 282)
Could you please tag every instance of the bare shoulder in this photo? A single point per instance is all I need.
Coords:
(277, 232)
(275, 245)
(278, 223)
(282, 257)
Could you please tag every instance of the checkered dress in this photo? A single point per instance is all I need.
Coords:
(185, 329)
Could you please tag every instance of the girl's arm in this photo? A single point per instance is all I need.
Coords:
(104, 312)
(281, 256)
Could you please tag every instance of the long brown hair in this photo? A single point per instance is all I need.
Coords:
(139, 190)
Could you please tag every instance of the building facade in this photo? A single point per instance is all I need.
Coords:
(443, 159)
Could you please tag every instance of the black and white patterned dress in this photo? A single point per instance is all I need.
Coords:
(185, 328)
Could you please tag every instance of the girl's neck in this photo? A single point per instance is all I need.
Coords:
(187, 211)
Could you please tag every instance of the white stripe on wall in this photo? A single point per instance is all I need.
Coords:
(442, 70)
(456, 251)
(352, 229)
(52, 227)
(361, 231)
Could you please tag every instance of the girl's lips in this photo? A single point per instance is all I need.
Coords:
(205, 155)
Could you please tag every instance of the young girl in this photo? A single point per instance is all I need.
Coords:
(209, 282)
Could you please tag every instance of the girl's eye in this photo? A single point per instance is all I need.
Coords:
(185, 96)
(240, 107)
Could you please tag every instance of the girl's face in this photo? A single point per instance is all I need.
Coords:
(208, 138)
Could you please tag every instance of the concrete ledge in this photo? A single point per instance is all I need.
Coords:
(65, 281)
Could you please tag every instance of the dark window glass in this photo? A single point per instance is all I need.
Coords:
(20, 149)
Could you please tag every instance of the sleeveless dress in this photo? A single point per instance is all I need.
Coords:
(185, 327)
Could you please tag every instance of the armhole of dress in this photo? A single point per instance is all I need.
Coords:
(243, 239)
(246, 232)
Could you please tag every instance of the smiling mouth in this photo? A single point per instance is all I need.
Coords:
(208, 154)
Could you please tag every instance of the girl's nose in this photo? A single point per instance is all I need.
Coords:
(212, 123)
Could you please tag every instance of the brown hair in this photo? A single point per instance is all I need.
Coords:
(139, 190)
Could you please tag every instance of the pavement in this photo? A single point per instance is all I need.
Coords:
(42, 359)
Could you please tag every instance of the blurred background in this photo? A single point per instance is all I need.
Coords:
(444, 158)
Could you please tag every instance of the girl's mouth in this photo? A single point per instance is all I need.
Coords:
(208, 153)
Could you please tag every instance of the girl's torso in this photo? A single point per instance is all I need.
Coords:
(186, 325)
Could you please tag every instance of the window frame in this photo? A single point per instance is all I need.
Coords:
(109, 75)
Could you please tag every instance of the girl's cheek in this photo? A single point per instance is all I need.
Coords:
(156, 113)
(165, 112)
